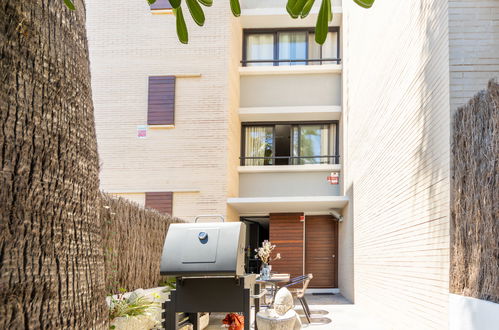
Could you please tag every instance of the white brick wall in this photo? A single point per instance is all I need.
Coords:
(474, 47)
(127, 44)
(396, 142)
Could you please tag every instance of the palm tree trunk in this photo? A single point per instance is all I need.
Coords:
(51, 263)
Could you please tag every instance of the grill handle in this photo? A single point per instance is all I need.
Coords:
(210, 216)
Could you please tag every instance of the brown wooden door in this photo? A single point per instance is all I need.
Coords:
(286, 232)
(321, 250)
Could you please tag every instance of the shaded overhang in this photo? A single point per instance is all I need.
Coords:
(259, 205)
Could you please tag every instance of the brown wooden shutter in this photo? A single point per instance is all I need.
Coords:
(286, 232)
(161, 201)
(161, 4)
(161, 103)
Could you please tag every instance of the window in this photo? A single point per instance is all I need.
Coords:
(310, 141)
(161, 101)
(259, 145)
(161, 5)
(289, 47)
(260, 47)
(289, 144)
(292, 46)
(161, 201)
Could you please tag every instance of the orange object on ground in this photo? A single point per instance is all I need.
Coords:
(234, 321)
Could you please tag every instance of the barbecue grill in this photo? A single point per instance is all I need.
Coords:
(207, 260)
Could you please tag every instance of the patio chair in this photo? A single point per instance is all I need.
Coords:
(299, 293)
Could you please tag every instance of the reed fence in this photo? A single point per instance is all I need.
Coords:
(475, 197)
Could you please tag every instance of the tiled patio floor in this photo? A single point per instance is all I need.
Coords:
(343, 314)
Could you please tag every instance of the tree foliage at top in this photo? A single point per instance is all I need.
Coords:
(295, 8)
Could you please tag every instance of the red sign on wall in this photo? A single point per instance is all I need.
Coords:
(334, 178)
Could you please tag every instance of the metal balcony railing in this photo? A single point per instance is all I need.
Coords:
(305, 61)
(292, 160)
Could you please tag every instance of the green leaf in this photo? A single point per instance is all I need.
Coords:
(235, 6)
(365, 3)
(298, 7)
(70, 4)
(175, 3)
(150, 2)
(321, 28)
(206, 3)
(196, 11)
(289, 7)
(329, 11)
(307, 8)
(182, 34)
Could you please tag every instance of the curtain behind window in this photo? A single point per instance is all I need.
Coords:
(329, 49)
(258, 143)
(260, 47)
(292, 46)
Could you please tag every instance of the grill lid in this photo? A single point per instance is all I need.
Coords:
(194, 249)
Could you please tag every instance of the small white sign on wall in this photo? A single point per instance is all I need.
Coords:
(334, 178)
(142, 131)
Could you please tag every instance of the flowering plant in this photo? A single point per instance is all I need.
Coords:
(264, 252)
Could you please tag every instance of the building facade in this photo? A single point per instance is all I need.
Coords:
(339, 154)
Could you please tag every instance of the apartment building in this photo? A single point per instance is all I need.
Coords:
(242, 123)
(252, 121)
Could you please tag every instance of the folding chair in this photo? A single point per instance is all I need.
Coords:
(299, 293)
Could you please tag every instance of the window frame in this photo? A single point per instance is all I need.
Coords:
(334, 158)
(275, 32)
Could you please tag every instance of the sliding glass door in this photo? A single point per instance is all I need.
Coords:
(292, 47)
(289, 144)
(310, 144)
(289, 47)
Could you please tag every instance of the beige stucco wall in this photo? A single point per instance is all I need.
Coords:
(474, 47)
(290, 90)
(234, 127)
(127, 44)
(278, 184)
(396, 126)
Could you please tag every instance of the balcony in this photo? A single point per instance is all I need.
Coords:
(272, 13)
(274, 189)
(290, 160)
(289, 144)
(290, 113)
(266, 205)
(287, 181)
(289, 47)
(274, 88)
(270, 56)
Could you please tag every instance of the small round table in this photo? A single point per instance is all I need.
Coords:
(274, 280)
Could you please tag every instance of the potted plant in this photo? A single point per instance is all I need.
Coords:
(264, 253)
(133, 312)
